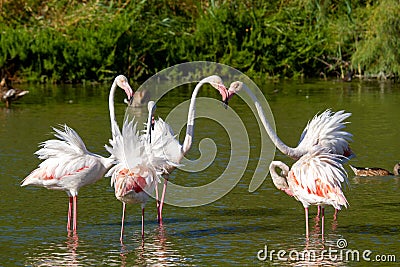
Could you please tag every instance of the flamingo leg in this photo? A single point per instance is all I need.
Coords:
(158, 204)
(162, 200)
(75, 219)
(69, 214)
(322, 221)
(122, 222)
(142, 223)
(306, 214)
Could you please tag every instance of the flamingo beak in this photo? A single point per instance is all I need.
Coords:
(229, 95)
(129, 92)
(226, 103)
(224, 93)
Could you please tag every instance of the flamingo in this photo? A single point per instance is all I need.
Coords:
(136, 173)
(315, 179)
(173, 150)
(325, 129)
(361, 171)
(68, 165)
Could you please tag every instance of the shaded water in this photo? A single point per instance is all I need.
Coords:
(230, 231)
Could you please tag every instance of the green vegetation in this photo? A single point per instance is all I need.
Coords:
(75, 41)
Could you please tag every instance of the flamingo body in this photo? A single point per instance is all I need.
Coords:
(315, 179)
(131, 185)
(67, 164)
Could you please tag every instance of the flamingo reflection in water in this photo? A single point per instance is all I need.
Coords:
(315, 179)
(56, 254)
(158, 250)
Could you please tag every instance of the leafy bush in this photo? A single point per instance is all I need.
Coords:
(74, 41)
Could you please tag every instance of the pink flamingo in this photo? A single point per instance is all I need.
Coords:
(173, 150)
(135, 175)
(315, 179)
(325, 130)
(68, 165)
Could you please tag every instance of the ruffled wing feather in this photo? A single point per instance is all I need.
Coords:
(326, 130)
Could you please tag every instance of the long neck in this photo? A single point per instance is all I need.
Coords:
(111, 108)
(291, 152)
(187, 143)
(148, 127)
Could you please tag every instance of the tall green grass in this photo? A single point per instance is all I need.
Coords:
(75, 41)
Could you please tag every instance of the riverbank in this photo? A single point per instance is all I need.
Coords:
(78, 41)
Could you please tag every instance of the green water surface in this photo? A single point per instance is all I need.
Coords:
(230, 231)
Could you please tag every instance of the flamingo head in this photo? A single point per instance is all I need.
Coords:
(234, 88)
(122, 82)
(218, 84)
(151, 107)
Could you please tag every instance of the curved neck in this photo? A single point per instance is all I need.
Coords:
(280, 181)
(187, 143)
(291, 152)
(111, 107)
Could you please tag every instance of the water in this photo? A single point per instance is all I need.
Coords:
(230, 231)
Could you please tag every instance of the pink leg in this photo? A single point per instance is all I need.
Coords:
(162, 200)
(306, 213)
(158, 204)
(75, 224)
(318, 211)
(335, 215)
(142, 223)
(322, 221)
(69, 214)
(122, 222)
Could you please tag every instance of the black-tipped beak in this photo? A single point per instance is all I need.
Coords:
(131, 101)
(225, 103)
